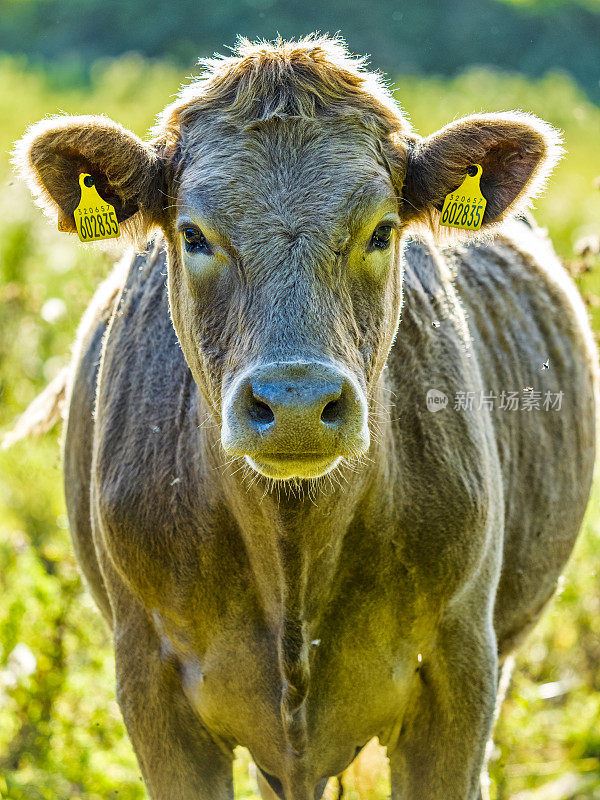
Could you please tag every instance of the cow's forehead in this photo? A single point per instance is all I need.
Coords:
(286, 175)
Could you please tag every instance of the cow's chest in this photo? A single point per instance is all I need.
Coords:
(220, 621)
(363, 660)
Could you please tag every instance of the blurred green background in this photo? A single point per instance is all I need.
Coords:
(61, 735)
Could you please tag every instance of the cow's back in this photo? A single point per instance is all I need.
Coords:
(530, 336)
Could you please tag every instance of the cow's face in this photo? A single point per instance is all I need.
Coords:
(283, 229)
(285, 287)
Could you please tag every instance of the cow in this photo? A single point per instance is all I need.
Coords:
(323, 464)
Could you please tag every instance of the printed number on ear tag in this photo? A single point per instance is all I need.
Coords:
(94, 217)
(464, 207)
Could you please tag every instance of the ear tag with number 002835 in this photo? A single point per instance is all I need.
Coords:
(95, 219)
(464, 207)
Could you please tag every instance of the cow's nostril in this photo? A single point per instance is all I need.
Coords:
(332, 412)
(260, 412)
(294, 419)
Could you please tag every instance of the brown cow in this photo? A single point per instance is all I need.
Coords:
(294, 553)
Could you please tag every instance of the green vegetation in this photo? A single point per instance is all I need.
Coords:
(428, 37)
(61, 736)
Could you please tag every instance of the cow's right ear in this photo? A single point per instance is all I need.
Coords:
(128, 172)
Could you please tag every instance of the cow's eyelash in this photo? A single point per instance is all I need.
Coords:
(194, 240)
(382, 237)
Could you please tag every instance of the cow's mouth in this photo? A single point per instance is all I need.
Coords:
(286, 466)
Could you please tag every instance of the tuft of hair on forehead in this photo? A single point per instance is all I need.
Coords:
(304, 79)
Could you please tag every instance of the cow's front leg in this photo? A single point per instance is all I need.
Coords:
(178, 758)
(440, 751)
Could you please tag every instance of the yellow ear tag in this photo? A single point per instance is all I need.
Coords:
(464, 207)
(94, 217)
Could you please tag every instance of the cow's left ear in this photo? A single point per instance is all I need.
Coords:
(128, 173)
(516, 151)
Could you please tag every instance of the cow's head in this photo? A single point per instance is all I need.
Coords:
(284, 181)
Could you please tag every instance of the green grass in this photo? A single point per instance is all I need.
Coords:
(61, 735)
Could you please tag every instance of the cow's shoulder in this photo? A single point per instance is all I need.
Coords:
(152, 480)
(447, 487)
(144, 378)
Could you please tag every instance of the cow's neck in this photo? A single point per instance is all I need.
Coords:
(294, 534)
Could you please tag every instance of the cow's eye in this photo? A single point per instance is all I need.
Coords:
(381, 238)
(195, 241)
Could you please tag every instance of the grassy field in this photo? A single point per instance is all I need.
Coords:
(61, 735)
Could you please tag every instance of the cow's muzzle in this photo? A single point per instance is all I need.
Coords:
(295, 419)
